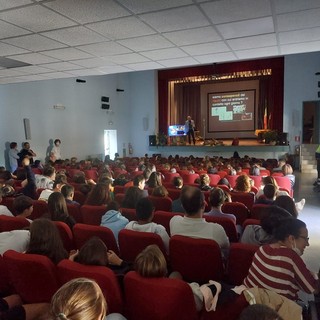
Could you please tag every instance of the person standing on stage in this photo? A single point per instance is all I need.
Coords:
(189, 129)
(56, 152)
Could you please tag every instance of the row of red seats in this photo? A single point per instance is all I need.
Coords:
(143, 298)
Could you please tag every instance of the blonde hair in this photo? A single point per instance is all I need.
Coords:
(79, 299)
(151, 263)
(243, 183)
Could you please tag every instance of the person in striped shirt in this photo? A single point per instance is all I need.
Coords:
(279, 267)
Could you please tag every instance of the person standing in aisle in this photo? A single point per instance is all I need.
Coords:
(189, 129)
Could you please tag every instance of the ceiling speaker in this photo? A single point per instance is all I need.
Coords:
(105, 99)
(105, 106)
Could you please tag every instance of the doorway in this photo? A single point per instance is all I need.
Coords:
(110, 143)
(310, 124)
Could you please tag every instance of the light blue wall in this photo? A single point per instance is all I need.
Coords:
(300, 84)
(80, 126)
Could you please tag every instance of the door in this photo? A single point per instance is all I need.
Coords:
(110, 143)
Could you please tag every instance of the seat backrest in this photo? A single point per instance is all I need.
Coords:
(238, 209)
(232, 179)
(161, 203)
(249, 222)
(285, 184)
(131, 243)
(39, 209)
(214, 179)
(83, 232)
(74, 211)
(33, 276)
(65, 234)
(164, 217)
(174, 193)
(92, 214)
(91, 174)
(8, 202)
(198, 260)
(189, 178)
(239, 261)
(5, 287)
(257, 181)
(119, 198)
(227, 224)
(168, 176)
(257, 210)
(12, 223)
(129, 213)
(105, 277)
(246, 198)
(119, 189)
(264, 172)
(79, 197)
(158, 298)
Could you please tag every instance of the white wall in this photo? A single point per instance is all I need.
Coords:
(300, 84)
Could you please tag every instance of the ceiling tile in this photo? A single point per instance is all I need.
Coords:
(216, 57)
(60, 66)
(163, 54)
(9, 30)
(298, 20)
(35, 77)
(34, 42)
(85, 72)
(8, 4)
(192, 36)
(7, 49)
(205, 48)
(57, 75)
(297, 36)
(246, 28)
(6, 80)
(32, 70)
(188, 61)
(259, 52)
(235, 10)
(144, 66)
(294, 5)
(141, 6)
(67, 54)
(75, 36)
(299, 48)
(104, 49)
(33, 58)
(121, 28)
(114, 69)
(128, 58)
(146, 43)
(84, 11)
(9, 73)
(93, 63)
(36, 18)
(176, 19)
(264, 40)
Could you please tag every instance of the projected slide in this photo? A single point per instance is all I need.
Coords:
(231, 111)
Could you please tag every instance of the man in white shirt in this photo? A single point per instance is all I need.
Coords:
(17, 240)
(3, 209)
(193, 224)
(46, 180)
(145, 212)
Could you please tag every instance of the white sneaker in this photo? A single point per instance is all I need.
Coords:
(300, 204)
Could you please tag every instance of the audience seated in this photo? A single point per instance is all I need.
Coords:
(160, 191)
(67, 191)
(99, 195)
(145, 213)
(3, 209)
(279, 266)
(113, 219)
(243, 184)
(46, 180)
(205, 182)
(288, 204)
(58, 211)
(132, 196)
(269, 194)
(60, 181)
(193, 225)
(94, 252)
(45, 240)
(23, 207)
(17, 240)
(263, 233)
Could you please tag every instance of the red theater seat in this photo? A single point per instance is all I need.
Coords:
(158, 298)
(65, 234)
(161, 203)
(33, 276)
(131, 243)
(164, 217)
(105, 277)
(228, 226)
(92, 214)
(238, 209)
(12, 223)
(198, 260)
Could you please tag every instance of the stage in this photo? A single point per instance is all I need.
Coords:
(250, 147)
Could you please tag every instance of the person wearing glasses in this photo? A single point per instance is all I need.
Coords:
(279, 266)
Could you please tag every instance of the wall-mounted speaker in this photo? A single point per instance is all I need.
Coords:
(105, 106)
(152, 140)
(105, 99)
(283, 138)
(27, 130)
